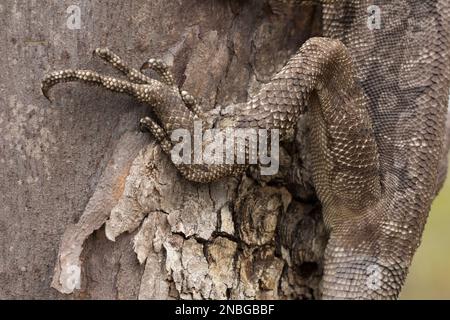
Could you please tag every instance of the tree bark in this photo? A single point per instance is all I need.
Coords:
(77, 174)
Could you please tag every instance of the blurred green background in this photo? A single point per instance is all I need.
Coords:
(429, 275)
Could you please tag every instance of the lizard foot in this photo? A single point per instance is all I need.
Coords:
(174, 108)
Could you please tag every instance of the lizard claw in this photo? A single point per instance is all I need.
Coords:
(145, 66)
(45, 91)
(101, 52)
(143, 127)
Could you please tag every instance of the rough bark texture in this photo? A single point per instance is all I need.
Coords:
(252, 237)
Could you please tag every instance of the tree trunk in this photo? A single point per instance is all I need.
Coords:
(70, 166)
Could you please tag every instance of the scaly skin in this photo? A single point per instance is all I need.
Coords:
(377, 103)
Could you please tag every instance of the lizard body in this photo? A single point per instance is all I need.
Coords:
(377, 103)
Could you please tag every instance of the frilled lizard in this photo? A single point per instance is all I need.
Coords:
(377, 100)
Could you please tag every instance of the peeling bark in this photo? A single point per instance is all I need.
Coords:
(74, 166)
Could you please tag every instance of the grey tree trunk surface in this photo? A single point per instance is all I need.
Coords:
(70, 166)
